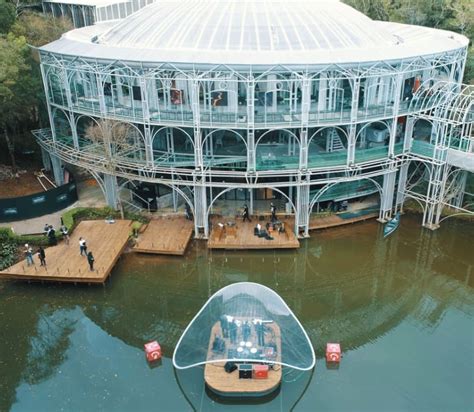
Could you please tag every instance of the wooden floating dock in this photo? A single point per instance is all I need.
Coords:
(165, 235)
(241, 236)
(229, 384)
(106, 241)
(318, 223)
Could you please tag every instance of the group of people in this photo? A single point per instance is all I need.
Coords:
(83, 251)
(29, 255)
(50, 232)
(230, 329)
(51, 235)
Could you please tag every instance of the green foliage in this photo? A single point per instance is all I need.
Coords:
(21, 90)
(454, 15)
(39, 29)
(73, 216)
(8, 252)
(7, 16)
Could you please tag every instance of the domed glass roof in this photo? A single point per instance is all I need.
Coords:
(247, 25)
(245, 322)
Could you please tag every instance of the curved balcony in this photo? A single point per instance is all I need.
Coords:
(184, 117)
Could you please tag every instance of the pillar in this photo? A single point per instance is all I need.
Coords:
(302, 206)
(387, 196)
(200, 206)
(402, 183)
(46, 160)
(111, 190)
(58, 171)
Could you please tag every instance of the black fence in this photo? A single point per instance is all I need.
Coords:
(38, 204)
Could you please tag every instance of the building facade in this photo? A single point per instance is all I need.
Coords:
(262, 99)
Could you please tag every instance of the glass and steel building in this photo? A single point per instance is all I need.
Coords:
(296, 101)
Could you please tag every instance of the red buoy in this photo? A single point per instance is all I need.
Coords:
(152, 351)
(333, 352)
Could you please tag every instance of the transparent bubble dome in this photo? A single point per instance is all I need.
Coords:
(245, 322)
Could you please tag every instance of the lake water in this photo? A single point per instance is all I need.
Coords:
(402, 309)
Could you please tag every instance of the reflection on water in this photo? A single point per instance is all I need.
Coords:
(402, 309)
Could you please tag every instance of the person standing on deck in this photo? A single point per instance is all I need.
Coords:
(273, 212)
(29, 255)
(52, 241)
(233, 331)
(224, 326)
(65, 234)
(42, 256)
(245, 214)
(82, 246)
(90, 259)
(187, 209)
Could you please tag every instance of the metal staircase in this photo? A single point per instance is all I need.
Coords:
(334, 142)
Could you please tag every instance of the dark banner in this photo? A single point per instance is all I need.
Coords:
(38, 204)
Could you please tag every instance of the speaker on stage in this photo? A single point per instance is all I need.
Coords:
(245, 371)
(230, 367)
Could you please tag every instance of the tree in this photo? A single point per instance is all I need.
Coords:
(7, 16)
(40, 29)
(375, 9)
(113, 135)
(13, 67)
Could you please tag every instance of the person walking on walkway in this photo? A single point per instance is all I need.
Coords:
(90, 259)
(29, 255)
(82, 246)
(42, 256)
(245, 214)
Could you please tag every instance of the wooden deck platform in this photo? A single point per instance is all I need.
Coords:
(241, 236)
(229, 384)
(317, 223)
(165, 235)
(65, 264)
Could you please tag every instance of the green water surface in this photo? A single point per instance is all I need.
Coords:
(402, 309)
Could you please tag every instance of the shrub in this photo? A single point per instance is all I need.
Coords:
(72, 217)
(8, 253)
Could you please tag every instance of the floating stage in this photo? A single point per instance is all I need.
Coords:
(106, 241)
(230, 384)
(244, 335)
(166, 236)
(234, 234)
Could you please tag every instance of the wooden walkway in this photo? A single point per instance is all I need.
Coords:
(325, 222)
(65, 264)
(165, 235)
(241, 236)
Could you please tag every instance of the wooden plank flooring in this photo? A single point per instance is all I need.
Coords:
(325, 222)
(165, 235)
(65, 264)
(242, 235)
(229, 383)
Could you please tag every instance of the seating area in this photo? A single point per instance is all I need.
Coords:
(260, 233)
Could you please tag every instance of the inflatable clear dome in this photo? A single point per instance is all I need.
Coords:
(245, 323)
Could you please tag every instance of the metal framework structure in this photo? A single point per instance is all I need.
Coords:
(300, 130)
